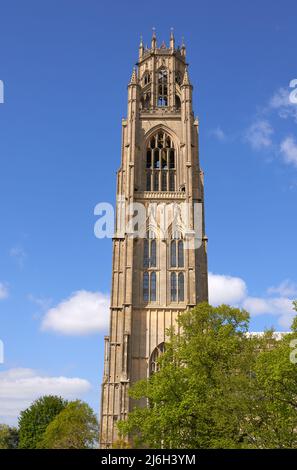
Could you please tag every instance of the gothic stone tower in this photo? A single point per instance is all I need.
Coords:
(154, 276)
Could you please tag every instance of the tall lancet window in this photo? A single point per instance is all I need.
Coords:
(162, 87)
(177, 253)
(150, 251)
(149, 263)
(181, 287)
(160, 163)
(173, 287)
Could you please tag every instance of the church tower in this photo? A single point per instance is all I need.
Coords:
(159, 268)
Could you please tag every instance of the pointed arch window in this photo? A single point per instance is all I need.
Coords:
(162, 87)
(160, 163)
(150, 251)
(173, 254)
(181, 287)
(149, 286)
(180, 253)
(153, 258)
(146, 253)
(173, 287)
(153, 283)
(146, 286)
(154, 364)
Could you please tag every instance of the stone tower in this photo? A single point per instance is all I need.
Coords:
(159, 269)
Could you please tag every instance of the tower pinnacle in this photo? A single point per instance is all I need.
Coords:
(154, 39)
(171, 39)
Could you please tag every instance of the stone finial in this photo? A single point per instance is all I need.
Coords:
(172, 39)
(154, 39)
(183, 47)
(133, 80)
(186, 80)
(141, 48)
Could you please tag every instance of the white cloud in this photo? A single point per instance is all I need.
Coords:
(259, 134)
(280, 306)
(3, 291)
(288, 148)
(218, 133)
(19, 254)
(82, 313)
(19, 387)
(233, 291)
(225, 289)
(286, 288)
(281, 102)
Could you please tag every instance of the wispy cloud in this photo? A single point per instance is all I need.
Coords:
(3, 291)
(288, 149)
(42, 302)
(19, 255)
(19, 387)
(81, 314)
(259, 134)
(285, 288)
(281, 102)
(218, 133)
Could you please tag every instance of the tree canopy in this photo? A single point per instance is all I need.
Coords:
(217, 387)
(34, 420)
(75, 427)
(9, 437)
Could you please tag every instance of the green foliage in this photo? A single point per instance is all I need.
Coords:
(34, 420)
(217, 387)
(76, 427)
(8, 437)
(273, 422)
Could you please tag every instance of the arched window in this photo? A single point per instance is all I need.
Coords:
(153, 258)
(149, 286)
(181, 287)
(180, 254)
(146, 287)
(154, 365)
(149, 251)
(146, 253)
(173, 287)
(178, 78)
(160, 163)
(146, 78)
(173, 254)
(162, 87)
(153, 294)
(177, 102)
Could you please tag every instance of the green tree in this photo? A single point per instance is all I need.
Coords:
(8, 437)
(34, 420)
(76, 427)
(273, 420)
(200, 396)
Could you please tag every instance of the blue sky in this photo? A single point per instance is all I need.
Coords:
(65, 66)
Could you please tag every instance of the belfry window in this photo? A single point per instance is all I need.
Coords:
(160, 163)
(146, 79)
(162, 87)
